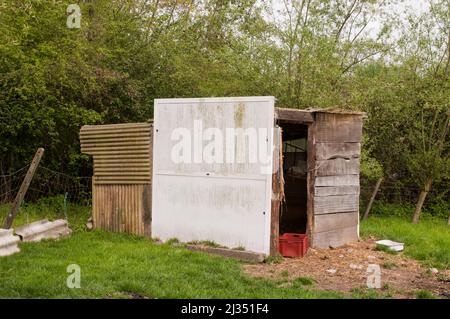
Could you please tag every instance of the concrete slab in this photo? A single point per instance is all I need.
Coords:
(43, 229)
(232, 253)
(8, 242)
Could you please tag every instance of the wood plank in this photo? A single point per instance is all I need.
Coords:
(245, 255)
(310, 179)
(336, 204)
(333, 150)
(338, 166)
(147, 210)
(293, 115)
(335, 127)
(335, 238)
(328, 222)
(340, 180)
(372, 198)
(276, 193)
(336, 190)
(23, 189)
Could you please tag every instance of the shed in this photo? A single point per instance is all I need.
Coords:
(121, 185)
(236, 171)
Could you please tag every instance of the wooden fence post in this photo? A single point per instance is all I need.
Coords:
(372, 198)
(23, 189)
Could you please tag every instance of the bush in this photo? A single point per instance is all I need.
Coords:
(390, 209)
(438, 208)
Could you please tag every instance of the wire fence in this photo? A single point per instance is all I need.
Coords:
(10, 184)
(78, 190)
(46, 183)
(390, 191)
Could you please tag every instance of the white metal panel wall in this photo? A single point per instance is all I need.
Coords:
(228, 203)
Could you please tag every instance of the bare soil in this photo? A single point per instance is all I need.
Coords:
(344, 269)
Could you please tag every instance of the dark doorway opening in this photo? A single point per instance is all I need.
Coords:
(293, 212)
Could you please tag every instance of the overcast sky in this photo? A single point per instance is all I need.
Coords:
(399, 10)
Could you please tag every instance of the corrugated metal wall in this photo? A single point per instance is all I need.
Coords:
(121, 184)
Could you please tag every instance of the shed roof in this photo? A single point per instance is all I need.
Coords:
(307, 115)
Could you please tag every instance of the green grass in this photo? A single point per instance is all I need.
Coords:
(427, 241)
(424, 294)
(124, 266)
(51, 208)
(303, 281)
(118, 265)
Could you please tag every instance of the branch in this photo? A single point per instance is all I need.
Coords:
(347, 16)
(356, 61)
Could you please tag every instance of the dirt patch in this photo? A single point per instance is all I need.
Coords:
(127, 295)
(344, 269)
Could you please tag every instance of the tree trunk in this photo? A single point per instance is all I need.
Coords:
(372, 198)
(421, 200)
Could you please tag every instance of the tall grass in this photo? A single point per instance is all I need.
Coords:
(427, 241)
(51, 208)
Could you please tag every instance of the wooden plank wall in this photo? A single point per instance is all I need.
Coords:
(122, 208)
(121, 185)
(335, 194)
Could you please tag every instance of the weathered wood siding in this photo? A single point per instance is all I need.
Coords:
(335, 179)
(121, 185)
(122, 208)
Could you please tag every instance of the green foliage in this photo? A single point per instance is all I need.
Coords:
(370, 167)
(309, 53)
(389, 209)
(385, 209)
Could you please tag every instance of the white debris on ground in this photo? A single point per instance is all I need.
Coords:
(8, 242)
(43, 229)
(392, 245)
(356, 266)
(434, 270)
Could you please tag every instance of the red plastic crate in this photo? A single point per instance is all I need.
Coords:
(293, 245)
